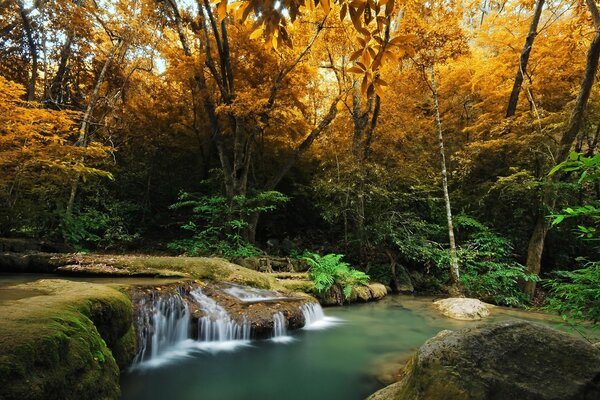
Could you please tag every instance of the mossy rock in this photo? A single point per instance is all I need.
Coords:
(216, 269)
(297, 285)
(378, 291)
(507, 360)
(361, 293)
(67, 343)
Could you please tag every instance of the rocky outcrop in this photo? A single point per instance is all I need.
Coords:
(64, 340)
(216, 269)
(463, 309)
(272, 264)
(259, 312)
(359, 293)
(508, 360)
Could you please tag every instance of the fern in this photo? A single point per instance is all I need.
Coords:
(328, 270)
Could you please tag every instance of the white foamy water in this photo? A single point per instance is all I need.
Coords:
(164, 327)
(315, 318)
(280, 329)
(252, 295)
(217, 325)
(163, 324)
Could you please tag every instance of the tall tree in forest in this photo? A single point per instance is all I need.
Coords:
(441, 39)
(84, 131)
(32, 45)
(524, 59)
(234, 125)
(566, 141)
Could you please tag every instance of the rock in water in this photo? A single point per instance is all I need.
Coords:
(509, 360)
(463, 309)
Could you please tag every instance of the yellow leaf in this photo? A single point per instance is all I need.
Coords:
(222, 9)
(257, 33)
(379, 90)
(364, 86)
(389, 8)
(366, 58)
(343, 11)
(326, 6)
(356, 54)
(355, 70)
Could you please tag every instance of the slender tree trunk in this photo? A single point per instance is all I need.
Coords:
(394, 283)
(524, 59)
(536, 242)
(83, 139)
(32, 51)
(454, 270)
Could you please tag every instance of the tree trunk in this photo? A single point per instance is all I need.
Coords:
(454, 270)
(394, 283)
(536, 242)
(83, 139)
(32, 51)
(524, 59)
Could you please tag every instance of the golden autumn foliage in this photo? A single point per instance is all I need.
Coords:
(254, 95)
(37, 150)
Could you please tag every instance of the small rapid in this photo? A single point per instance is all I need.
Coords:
(216, 329)
(252, 295)
(177, 324)
(163, 324)
(315, 318)
(280, 334)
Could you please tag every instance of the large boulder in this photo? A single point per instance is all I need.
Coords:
(463, 308)
(508, 360)
(64, 340)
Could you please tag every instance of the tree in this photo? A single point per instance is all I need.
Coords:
(567, 139)
(524, 59)
(36, 157)
(441, 39)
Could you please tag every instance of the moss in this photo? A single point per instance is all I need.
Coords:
(216, 269)
(362, 293)
(297, 285)
(378, 291)
(58, 345)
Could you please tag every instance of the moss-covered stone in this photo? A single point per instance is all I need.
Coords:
(362, 292)
(507, 360)
(58, 345)
(378, 291)
(298, 285)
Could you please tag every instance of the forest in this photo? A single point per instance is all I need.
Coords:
(454, 140)
(199, 175)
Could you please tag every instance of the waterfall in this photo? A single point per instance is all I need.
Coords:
(252, 295)
(314, 317)
(217, 325)
(280, 329)
(163, 323)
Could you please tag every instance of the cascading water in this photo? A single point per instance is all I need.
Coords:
(252, 295)
(217, 325)
(314, 317)
(163, 323)
(280, 329)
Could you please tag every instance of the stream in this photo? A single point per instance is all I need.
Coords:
(338, 360)
(339, 356)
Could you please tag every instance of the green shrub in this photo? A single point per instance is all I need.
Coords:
(488, 270)
(218, 225)
(575, 295)
(328, 270)
(106, 226)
